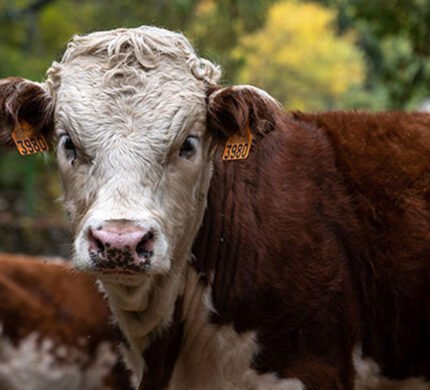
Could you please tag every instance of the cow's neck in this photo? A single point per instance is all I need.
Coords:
(142, 312)
(163, 356)
(160, 320)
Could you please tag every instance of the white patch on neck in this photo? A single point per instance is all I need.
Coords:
(368, 377)
(214, 356)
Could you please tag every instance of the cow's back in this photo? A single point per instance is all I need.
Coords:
(385, 162)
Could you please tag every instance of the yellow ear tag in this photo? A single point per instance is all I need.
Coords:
(27, 141)
(238, 146)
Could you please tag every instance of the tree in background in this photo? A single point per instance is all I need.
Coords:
(300, 59)
(303, 52)
(394, 36)
(217, 26)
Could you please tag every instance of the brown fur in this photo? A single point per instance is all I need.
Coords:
(231, 110)
(325, 234)
(59, 305)
(24, 100)
(385, 159)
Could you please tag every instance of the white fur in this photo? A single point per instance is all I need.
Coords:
(368, 377)
(39, 365)
(258, 91)
(217, 357)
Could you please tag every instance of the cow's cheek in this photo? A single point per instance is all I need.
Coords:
(79, 193)
(184, 205)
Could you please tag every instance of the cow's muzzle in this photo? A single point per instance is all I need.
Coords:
(121, 245)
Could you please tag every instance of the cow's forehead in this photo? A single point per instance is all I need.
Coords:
(141, 47)
(162, 101)
(130, 80)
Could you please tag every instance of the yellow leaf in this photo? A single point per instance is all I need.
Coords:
(299, 58)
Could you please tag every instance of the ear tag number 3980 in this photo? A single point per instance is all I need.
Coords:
(238, 146)
(27, 141)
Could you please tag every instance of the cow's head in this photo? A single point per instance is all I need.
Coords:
(137, 119)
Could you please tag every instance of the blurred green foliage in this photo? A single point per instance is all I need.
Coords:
(394, 36)
(298, 45)
(364, 53)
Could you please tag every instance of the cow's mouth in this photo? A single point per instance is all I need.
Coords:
(121, 276)
(125, 268)
(118, 271)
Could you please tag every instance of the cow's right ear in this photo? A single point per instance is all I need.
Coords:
(24, 101)
(232, 110)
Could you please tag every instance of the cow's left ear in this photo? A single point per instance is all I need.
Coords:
(24, 101)
(231, 110)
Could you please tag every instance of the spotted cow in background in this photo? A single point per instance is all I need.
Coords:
(55, 329)
(304, 265)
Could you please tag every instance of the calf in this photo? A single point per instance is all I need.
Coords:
(303, 262)
(55, 329)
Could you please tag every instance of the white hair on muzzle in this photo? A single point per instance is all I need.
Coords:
(134, 49)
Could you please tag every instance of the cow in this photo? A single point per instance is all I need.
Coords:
(241, 246)
(56, 331)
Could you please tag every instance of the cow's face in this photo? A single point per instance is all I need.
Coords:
(135, 141)
(133, 149)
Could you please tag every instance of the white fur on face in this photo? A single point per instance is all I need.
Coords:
(128, 99)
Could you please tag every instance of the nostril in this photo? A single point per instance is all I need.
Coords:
(144, 247)
(95, 244)
(100, 246)
(148, 236)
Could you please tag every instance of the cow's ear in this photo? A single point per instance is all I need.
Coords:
(231, 110)
(24, 101)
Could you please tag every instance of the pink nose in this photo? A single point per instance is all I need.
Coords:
(121, 244)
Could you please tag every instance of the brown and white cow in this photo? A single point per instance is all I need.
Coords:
(305, 265)
(55, 329)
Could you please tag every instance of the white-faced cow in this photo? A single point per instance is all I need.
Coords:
(56, 332)
(304, 265)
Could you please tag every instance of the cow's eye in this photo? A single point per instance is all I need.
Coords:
(189, 147)
(69, 147)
